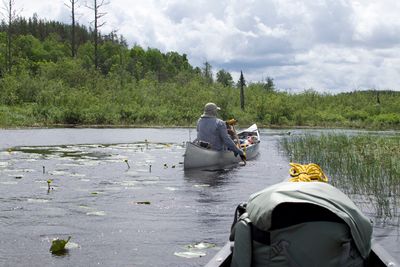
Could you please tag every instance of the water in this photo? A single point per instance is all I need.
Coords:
(95, 197)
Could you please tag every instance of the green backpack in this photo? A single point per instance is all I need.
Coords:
(300, 224)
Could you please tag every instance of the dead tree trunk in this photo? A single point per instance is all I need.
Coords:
(97, 15)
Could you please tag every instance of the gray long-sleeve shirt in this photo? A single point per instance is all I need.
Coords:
(213, 131)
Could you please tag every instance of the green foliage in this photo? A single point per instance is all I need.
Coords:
(143, 87)
(224, 78)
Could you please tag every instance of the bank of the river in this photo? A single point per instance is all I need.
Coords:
(152, 103)
(158, 126)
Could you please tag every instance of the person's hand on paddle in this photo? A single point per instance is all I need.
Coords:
(243, 157)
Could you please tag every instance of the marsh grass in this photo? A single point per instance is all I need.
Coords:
(365, 167)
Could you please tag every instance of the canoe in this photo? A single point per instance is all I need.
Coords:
(313, 204)
(199, 157)
(378, 257)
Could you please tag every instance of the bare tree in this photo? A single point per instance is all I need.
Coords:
(97, 15)
(207, 72)
(10, 13)
(73, 42)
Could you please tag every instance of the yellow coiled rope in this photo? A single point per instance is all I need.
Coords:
(306, 173)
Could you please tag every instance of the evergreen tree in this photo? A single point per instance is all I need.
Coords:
(10, 14)
(242, 84)
(269, 85)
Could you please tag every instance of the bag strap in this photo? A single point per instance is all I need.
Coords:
(239, 211)
(263, 237)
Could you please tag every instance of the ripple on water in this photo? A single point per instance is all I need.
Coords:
(37, 200)
(9, 182)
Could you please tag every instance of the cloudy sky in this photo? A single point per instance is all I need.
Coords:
(328, 45)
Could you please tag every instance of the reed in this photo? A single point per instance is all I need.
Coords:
(366, 167)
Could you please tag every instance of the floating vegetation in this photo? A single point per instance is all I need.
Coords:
(201, 245)
(77, 174)
(190, 254)
(71, 245)
(360, 165)
(96, 213)
(78, 152)
(59, 173)
(201, 185)
(58, 245)
(143, 202)
(195, 250)
(128, 183)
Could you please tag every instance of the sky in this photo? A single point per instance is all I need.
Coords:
(327, 45)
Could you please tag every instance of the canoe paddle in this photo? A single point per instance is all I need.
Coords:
(243, 157)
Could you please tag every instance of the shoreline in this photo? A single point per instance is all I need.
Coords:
(132, 126)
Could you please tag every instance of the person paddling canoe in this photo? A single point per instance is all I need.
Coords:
(213, 132)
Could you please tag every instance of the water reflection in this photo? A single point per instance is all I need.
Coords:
(211, 178)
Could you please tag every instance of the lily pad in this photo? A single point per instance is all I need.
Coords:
(190, 254)
(71, 245)
(96, 213)
(143, 202)
(201, 245)
(201, 185)
(58, 245)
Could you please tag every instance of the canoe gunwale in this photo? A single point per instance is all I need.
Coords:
(378, 257)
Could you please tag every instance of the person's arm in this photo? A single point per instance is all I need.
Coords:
(223, 133)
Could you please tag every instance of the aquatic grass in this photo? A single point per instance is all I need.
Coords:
(365, 165)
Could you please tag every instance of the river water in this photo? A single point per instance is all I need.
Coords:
(124, 198)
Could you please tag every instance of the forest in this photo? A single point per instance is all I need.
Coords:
(56, 74)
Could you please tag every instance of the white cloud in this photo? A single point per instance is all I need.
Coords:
(335, 45)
